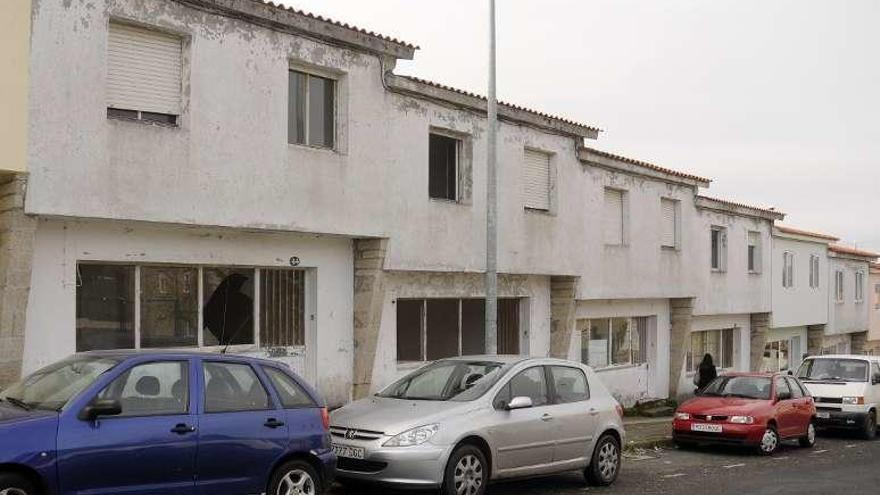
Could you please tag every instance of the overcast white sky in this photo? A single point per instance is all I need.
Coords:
(778, 101)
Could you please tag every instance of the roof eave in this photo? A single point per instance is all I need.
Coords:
(740, 210)
(599, 159)
(281, 19)
(412, 87)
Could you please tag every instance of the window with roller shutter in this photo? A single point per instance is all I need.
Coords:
(613, 217)
(536, 180)
(669, 212)
(143, 74)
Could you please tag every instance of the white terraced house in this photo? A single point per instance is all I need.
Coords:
(249, 177)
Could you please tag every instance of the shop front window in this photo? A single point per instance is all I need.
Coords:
(615, 342)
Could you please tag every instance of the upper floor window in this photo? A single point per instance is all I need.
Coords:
(788, 269)
(536, 180)
(143, 74)
(860, 286)
(754, 252)
(669, 223)
(311, 110)
(443, 166)
(614, 216)
(814, 271)
(719, 248)
(838, 285)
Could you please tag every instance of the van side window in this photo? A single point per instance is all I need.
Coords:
(875, 371)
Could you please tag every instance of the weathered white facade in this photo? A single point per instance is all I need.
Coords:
(629, 268)
(848, 301)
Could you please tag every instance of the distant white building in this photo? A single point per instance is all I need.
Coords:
(848, 301)
(800, 296)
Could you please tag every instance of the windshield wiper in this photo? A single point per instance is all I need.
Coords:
(19, 403)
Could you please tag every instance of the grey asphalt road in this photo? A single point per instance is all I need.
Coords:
(839, 463)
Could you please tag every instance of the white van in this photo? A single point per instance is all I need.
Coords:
(846, 390)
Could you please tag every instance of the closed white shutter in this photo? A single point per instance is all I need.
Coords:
(668, 222)
(613, 216)
(536, 180)
(143, 70)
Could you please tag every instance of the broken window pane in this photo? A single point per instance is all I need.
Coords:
(282, 308)
(441, 333)
(104, 307)
(442, 163)
(409, 329)
(169, 306)
(229, 306)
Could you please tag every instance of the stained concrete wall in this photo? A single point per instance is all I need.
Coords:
(15, 31)
(16, 257)
(800, 305)
(51, 307)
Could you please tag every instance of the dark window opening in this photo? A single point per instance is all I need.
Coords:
(104, 307)
(169, 306)
(443, 167)
(453, 327)
(149, 117)
(282, 308)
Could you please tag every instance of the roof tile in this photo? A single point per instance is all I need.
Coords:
(648, 165)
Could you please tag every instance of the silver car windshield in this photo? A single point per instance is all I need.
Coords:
(834, 370)
(454, 380)
(53, 386)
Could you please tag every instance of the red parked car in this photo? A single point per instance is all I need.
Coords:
(748, 409)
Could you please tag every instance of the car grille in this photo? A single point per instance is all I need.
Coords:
(355, 434)
(703, 417)
(828, 400)
(826, 408)
(359, 465)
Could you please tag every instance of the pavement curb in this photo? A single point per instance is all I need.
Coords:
(650, 443)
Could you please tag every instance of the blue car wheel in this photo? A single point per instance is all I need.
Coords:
(13, 484)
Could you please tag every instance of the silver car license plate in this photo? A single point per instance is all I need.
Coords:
(706, 428)
(823, 415)
(349, 452)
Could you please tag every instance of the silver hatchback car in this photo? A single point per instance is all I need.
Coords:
(459, 423)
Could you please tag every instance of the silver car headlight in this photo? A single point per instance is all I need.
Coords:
(742, 420)
(416, 436)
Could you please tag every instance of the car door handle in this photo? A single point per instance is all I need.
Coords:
(546, 417)
(273, 423)
(594, 411)
(183, 429)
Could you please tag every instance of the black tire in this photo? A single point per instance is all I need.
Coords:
(769, 441)
(809, 440)
(870, 431)
(295, 472)
(467, 472)
(605, 463)
(16, 485)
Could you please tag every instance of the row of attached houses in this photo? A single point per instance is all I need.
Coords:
(234, 175)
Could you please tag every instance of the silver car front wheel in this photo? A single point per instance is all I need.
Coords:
(467, 472)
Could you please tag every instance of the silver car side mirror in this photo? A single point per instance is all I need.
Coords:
(519, 403)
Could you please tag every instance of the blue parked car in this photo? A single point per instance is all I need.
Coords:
(138, 423)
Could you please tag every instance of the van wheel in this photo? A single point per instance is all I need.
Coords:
(870, 426)
(605, 463)
(295, 478)
(809, 440)
(13, 484)
(769, 441)
(467, 472)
